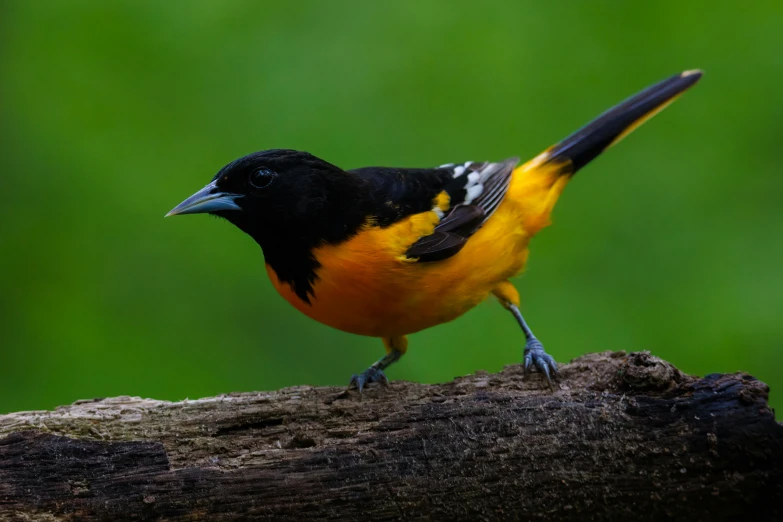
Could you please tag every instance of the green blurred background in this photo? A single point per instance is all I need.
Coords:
(113, 112)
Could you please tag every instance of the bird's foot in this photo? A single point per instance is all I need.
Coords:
(371, 374)
(536, 357)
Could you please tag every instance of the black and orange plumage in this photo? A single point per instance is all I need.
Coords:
(386, 252)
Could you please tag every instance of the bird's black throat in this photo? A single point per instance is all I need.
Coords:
(290, 231)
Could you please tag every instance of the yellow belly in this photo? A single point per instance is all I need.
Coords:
(366, 286)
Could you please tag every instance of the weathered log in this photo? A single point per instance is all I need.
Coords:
(625, 437)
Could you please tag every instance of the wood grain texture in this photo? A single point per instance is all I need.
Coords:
(626, 437)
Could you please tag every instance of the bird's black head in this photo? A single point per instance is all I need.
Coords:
(277, 193)
(288, 201)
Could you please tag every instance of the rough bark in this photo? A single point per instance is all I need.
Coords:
(625, 437)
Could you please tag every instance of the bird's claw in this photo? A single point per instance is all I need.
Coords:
(536, 357)
(371, 374)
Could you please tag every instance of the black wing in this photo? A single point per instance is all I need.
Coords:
(485, 186)
(475, 191)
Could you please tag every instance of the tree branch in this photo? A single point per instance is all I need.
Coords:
(626, 437)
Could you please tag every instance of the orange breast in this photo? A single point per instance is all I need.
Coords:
(366, 285)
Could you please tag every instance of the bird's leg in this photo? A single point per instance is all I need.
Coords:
(534, 356)
(395, 348)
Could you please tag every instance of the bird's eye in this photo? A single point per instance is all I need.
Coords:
(262, 178)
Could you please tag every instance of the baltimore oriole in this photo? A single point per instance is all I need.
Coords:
(386, 252)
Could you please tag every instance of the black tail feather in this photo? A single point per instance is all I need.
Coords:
(587, 143)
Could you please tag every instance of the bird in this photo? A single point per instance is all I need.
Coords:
(386, 252)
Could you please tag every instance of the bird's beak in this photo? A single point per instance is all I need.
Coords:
(208, 199)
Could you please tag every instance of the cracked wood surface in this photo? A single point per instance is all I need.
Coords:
(624, 437)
